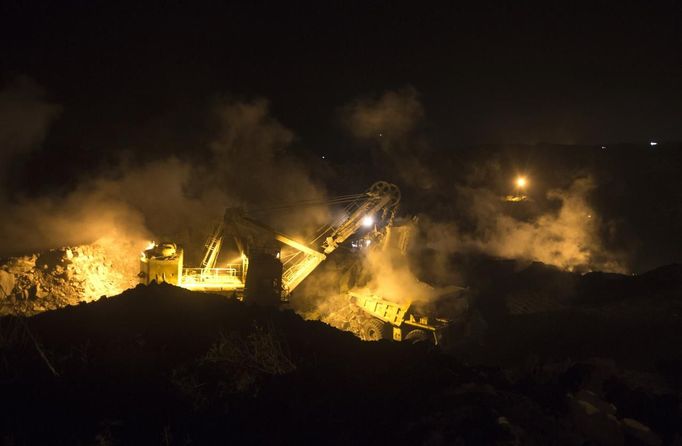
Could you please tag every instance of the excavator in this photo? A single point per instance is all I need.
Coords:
(267, 275)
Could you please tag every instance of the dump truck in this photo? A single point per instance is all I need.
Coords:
(399, 322)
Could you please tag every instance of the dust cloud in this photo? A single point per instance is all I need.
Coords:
(246, 161)
(391, 124)
(566, 235)
(123, 207)
(389, 274)
(562, 229)
(25, 114)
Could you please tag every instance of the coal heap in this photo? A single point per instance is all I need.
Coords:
(160, 364)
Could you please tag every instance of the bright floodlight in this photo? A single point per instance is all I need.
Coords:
(367, 221)
(653, 143)
(521, 182)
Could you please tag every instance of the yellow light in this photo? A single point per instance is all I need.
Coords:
(367, 221)
(521, 182)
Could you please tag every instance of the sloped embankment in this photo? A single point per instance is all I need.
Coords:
(160, 364)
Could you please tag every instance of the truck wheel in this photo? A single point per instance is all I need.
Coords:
(373, 330)
(417, 336)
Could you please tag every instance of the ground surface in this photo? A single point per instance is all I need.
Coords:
(600, 364)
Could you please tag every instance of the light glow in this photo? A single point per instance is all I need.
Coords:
(521, 182)
(367, 221)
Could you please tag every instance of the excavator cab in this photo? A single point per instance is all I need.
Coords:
(161, 262)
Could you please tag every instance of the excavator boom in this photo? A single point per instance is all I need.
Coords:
(378, 203)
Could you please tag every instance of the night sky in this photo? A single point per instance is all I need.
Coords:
(493, 73)
(484, 84)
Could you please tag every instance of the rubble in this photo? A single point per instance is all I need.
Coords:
(59, 277)
(347, 317)
(595, 418)
(640, 432)
(203, 367)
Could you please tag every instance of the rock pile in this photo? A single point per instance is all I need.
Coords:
(66, 276)
(161, 362)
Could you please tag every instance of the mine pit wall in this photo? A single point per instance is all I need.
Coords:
(66, 276)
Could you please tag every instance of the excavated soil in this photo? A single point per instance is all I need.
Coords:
(164, 365)
(60, 277)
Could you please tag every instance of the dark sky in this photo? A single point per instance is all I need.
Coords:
(125, 72)
(141, 81)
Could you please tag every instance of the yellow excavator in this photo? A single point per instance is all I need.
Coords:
(164, 262)
(264, 276)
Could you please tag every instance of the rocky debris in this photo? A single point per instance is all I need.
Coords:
(67, 276)
(347, 317)
(595, 419)
(640, 432)
(202, 367)
(7, 282)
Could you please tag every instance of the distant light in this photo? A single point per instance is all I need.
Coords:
(521, 182)
(381, 134)
(324, 157)
(653, 143)
(367, 221)
(603, 147)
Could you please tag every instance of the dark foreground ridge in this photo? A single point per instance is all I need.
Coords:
(162, 365)
(540, 311)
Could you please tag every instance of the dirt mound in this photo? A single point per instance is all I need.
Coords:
(59, 277)
(160, 364)
(540, 313)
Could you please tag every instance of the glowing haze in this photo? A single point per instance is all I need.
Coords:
(246, 162)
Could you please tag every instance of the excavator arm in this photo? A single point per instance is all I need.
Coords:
(252, 232)
(378, 203)
(382, 198)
